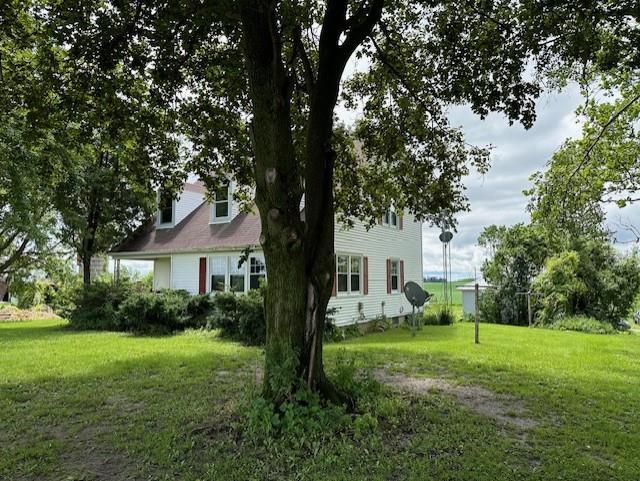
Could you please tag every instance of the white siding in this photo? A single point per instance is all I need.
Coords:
(379, 244)
(185, 271)
(186, 203)
(469, 302)
(162, 273)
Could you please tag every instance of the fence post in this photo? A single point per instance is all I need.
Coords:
(477, 314)
(529, 309)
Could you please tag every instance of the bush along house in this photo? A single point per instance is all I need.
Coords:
(196, 245)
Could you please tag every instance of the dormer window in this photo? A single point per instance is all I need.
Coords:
(165, 208)
(221, 208)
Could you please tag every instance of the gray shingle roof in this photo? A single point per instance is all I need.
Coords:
(194, 233)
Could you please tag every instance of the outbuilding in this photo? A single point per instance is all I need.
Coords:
(468, 292)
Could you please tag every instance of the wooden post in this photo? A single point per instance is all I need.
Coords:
(529, 308)
(477, 314)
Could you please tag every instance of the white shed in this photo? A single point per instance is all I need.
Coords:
(468, 292)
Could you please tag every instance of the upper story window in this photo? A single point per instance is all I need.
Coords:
(349, 269)
(221, 208)
(165, 208)
(390, 218)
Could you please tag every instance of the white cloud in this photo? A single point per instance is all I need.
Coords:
(497, 198)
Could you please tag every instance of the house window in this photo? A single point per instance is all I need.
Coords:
(165, 208)
(349, 269)
(390, 218)
(218, 273)
(236, 274)
(257, 271)
(395, 275)
(221, 204)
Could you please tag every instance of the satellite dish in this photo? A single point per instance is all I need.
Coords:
(446, 236)
(415, 294)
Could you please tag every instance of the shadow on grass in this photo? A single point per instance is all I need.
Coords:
(144, 409)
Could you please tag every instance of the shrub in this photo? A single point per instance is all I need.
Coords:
(129, 306)
(149, 311)
(583, 324)
(445, 318)
(428, 319)
(252, 326)
(96, 306)
(559, 287)
(489, 307)
(239, 317)
(440, 318)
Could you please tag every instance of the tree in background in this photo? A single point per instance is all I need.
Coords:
(120, 149)
(82, 148)
(600, 168)
(258, 81)
(568, 275)
(29, 153)
(516, 256)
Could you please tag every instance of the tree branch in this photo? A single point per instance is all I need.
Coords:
(613, 118)
(362, 23)
(298, 47)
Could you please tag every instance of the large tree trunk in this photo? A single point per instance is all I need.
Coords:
(298, 254)
(294, 347)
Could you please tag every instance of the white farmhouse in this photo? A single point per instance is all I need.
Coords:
(196, 245)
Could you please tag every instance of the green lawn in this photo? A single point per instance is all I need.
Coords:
(105, 406)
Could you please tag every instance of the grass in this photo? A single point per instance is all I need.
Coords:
(85, 406)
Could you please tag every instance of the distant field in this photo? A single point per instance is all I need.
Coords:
(437, 289)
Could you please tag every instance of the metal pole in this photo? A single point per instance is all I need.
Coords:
(413, 319)
(450, 282)
(477, 315)
(529, 309)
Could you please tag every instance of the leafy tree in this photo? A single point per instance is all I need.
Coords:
(592, 280)
(116, 139)
(519, 254)
(257, 82)
(599, 168)
(28, 152)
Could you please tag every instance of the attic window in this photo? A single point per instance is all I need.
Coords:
(221, 207)
(165, 207)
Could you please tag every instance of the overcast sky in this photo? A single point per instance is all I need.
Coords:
(496, 197)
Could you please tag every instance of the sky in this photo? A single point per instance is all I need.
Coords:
(496, 197)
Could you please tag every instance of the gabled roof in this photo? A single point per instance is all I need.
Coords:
(194, 233)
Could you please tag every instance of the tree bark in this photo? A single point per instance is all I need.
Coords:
(86, 269)
(298, 254)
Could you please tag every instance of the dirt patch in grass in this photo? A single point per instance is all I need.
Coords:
(84, 456)
(505, 410)
(87, 458)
